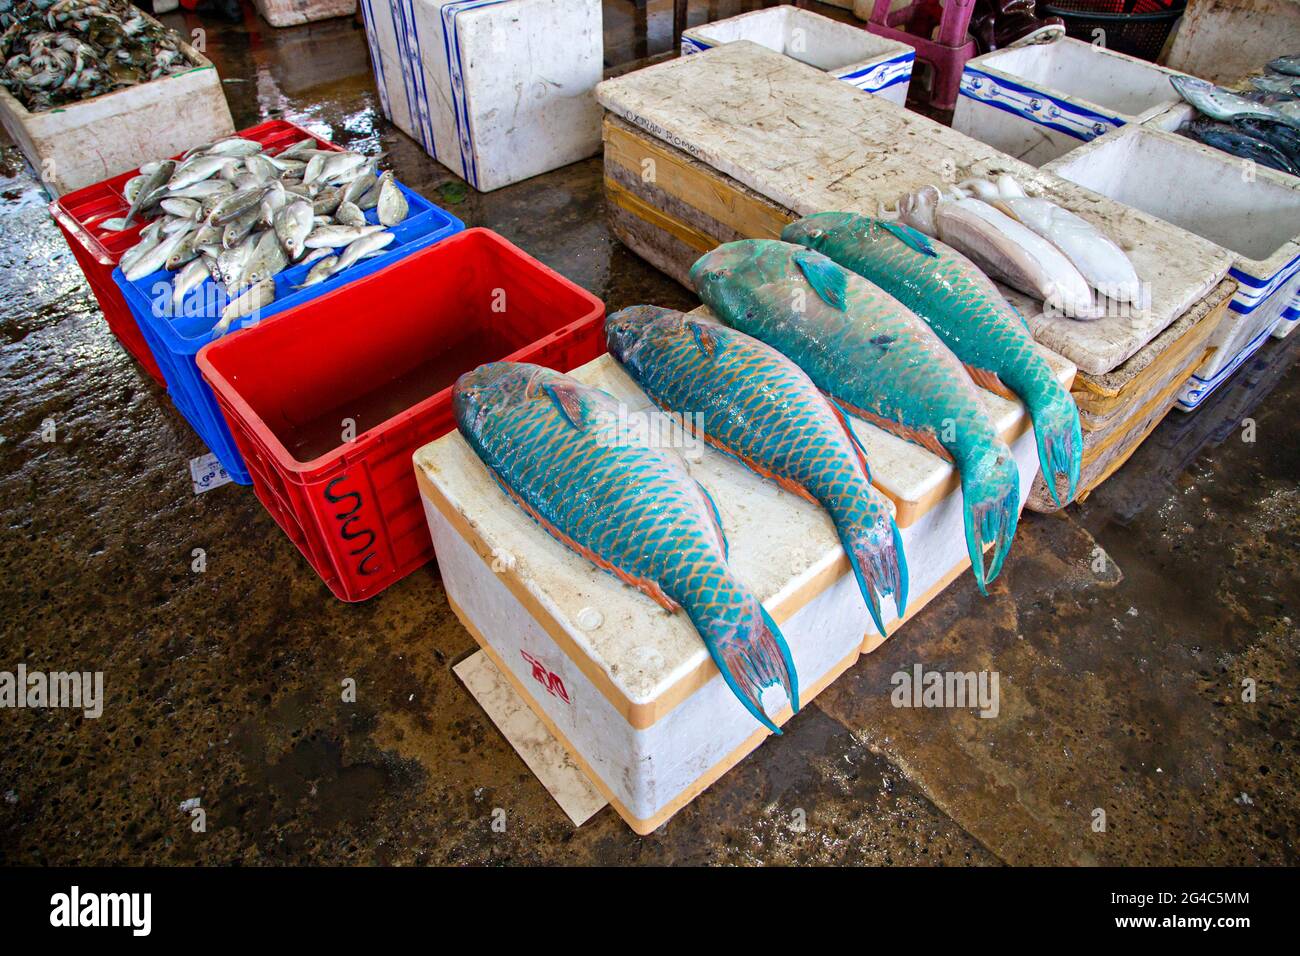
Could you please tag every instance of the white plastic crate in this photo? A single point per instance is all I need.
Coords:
(631, 692)
(84, 143)
(495, 90)
(871, 63)
(1039, 102)
(1249, 210)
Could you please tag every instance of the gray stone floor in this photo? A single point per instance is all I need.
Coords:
(1121, 690)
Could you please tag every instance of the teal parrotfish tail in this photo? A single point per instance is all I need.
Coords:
(562, 452)
(758, 406)
(878, 360)
(968, 312)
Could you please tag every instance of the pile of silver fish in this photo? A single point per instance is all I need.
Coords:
(234, 213)
(60, 51)
(1028, 242)
(1261, 124)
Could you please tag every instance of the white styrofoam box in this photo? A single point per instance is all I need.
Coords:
(288, 13)
(871, 63)
(495, 90)
(87, 142)
(628, 688)
(1249, 210)
(1038, 102)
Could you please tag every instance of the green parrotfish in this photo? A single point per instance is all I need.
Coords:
(562, 452)
(877, 359)
(968, 312)
(758, 406)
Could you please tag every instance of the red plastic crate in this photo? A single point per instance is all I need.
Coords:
(383, 352)
(79, 214)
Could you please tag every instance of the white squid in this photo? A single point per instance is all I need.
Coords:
(1002, 247)
(1101, 262)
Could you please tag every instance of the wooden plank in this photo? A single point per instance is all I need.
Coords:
(656, 164)
(530, 738)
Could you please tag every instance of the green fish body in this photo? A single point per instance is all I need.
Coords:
(758, 406)
(872, 355)
(559, 451)
(968, 312)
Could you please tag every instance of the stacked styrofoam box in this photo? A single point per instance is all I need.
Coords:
(1038, 102)
(628, 688)
(288, 13)
(1249, 210)
(495, 90)
(873, 64)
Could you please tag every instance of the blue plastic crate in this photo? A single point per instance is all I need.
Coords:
(175, 335)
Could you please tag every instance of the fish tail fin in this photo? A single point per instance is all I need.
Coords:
(1060, 444)
(991, 501)
(752, 655)
(880, 567)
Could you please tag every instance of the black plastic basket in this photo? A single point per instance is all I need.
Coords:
(1136, 27)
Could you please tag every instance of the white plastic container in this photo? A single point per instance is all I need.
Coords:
(289, 13)
(1039, 102)
(1249, 210)
(871, 63)
(87, 142)
(495, 90)
(628, 689)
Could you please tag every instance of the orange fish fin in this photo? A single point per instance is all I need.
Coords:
(989, 381)
(650, 588)
(788, 484)
(848, 430)
(927, 440)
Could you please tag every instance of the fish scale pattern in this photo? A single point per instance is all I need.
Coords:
(876, 357)
(968, 313)
(760, 407)
(559, 450)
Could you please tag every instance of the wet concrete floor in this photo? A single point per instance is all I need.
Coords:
(1122, 680)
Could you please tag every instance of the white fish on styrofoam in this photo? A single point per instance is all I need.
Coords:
(1002, 247)
(1099, 260)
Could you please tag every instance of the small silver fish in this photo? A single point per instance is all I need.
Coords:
(1290, 65)
(268, 258)
(154, 259)
(293, 224)
(196, 170)
(336, 236)
(392, 205)
(1217, 102)
(321, 271)
(257, 296)
(362, 248)
(193, 275)
(348, 214)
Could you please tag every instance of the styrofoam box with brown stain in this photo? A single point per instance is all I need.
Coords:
(628, 688)
(289, 13)
(87, 142)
